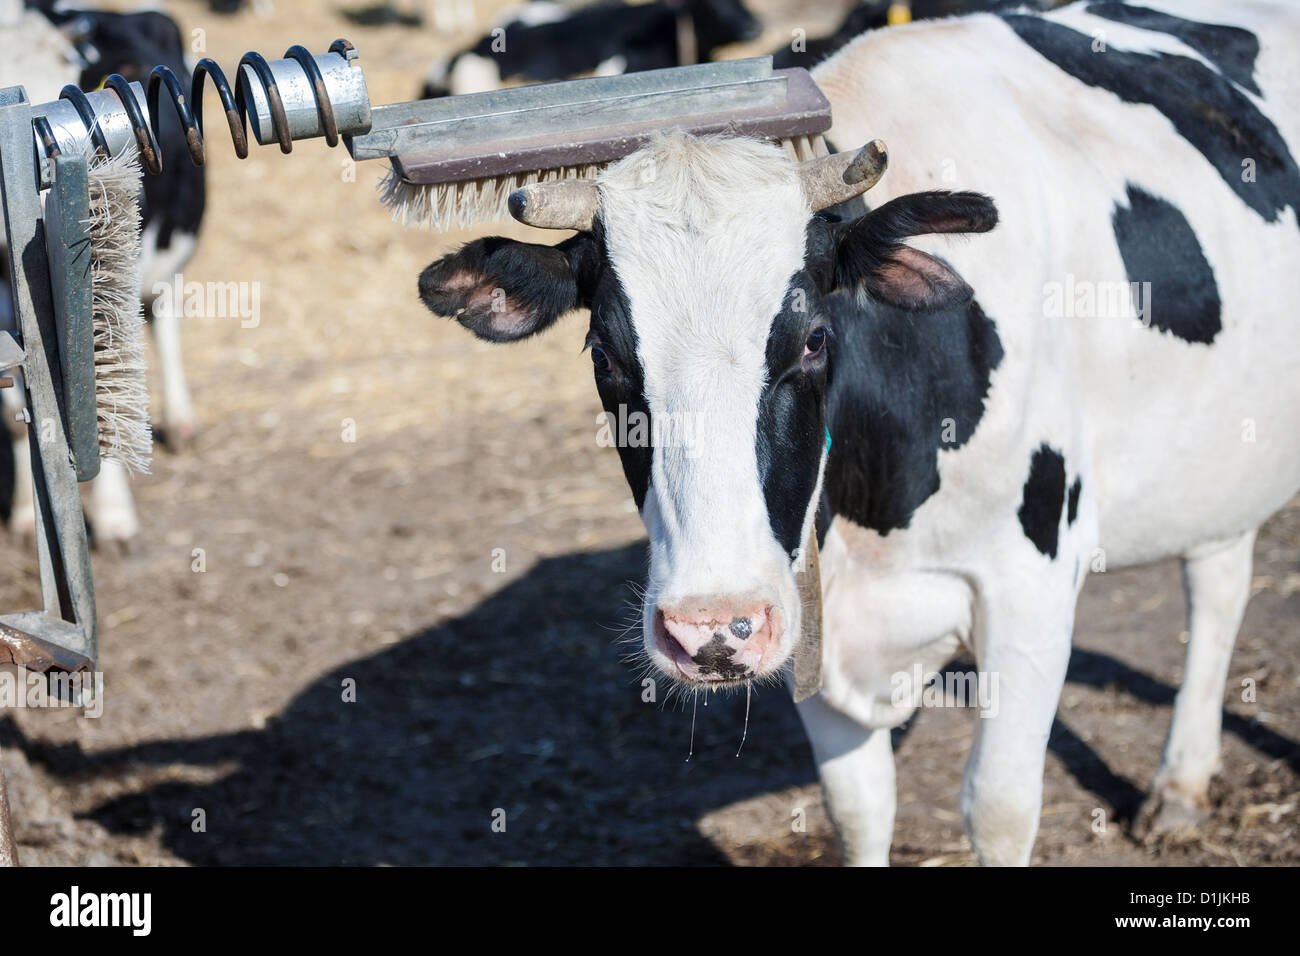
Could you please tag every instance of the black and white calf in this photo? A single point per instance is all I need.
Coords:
(544, 41)
(82, 47)
(1111, 374)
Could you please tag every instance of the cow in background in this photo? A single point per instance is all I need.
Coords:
(545, 41)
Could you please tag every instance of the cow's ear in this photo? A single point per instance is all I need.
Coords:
(503, 290)
(869, 252)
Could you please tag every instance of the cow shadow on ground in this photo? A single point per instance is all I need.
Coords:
(518, 712)
(1101, 671)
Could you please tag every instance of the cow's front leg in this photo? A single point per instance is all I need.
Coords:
(856, 765)
(1217, 579)
(178, 409)
(113, 515)
(1022, 659)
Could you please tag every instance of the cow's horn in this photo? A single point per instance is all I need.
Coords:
(563, 204)
(839, 177)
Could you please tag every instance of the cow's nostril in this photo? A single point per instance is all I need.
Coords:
(741, 628)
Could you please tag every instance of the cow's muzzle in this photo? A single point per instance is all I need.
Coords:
(709, 642)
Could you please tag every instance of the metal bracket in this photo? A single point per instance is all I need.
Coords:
(67, 247)
(62, 634)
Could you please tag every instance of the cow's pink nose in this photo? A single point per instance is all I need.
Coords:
(713, 643)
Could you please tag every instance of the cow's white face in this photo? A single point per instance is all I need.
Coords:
(708, 278)
(695, 323)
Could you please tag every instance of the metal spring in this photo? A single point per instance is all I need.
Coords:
(236, 105)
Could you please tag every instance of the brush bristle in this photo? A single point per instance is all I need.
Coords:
(468, 202)
(121, 389)
(803, 148)
(471, 202)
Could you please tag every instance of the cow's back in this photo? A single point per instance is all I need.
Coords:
(1116, 154)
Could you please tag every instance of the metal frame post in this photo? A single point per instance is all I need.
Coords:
(63, 634)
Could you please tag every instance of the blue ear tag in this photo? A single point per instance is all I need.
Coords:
(828, 441)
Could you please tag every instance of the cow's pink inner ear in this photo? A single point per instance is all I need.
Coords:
(492, 307)
(461, 281)
(512, 321)
(485, 298)
(911, 279)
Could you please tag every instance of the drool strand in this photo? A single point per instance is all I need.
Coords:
(695, 704)
(749, 688)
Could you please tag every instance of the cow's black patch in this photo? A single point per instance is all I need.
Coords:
(716, 657)
(1072, 503)
(903, 387)
(1159, 247)
(622, 390)
(1206, 107)
(1232, 49)
(791, 434)
(1044, 496)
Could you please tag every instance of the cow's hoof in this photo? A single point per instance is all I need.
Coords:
(177, 436)
(1171, 812)
(114, 532)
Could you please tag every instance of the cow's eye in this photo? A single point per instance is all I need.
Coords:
(815, 343)
(600, 360)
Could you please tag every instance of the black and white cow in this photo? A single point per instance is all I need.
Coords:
(544, 41)
(262, 8)
(85, 48)
(1109, 376)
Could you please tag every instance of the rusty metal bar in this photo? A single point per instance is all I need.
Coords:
(36, 653)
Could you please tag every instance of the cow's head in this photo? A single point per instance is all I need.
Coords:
(706, 270)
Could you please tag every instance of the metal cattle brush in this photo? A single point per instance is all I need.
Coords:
(456, 161)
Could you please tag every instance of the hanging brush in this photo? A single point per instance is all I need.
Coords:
(121, 389)
(458, 160)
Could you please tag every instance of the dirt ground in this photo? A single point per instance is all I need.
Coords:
(465, 562)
